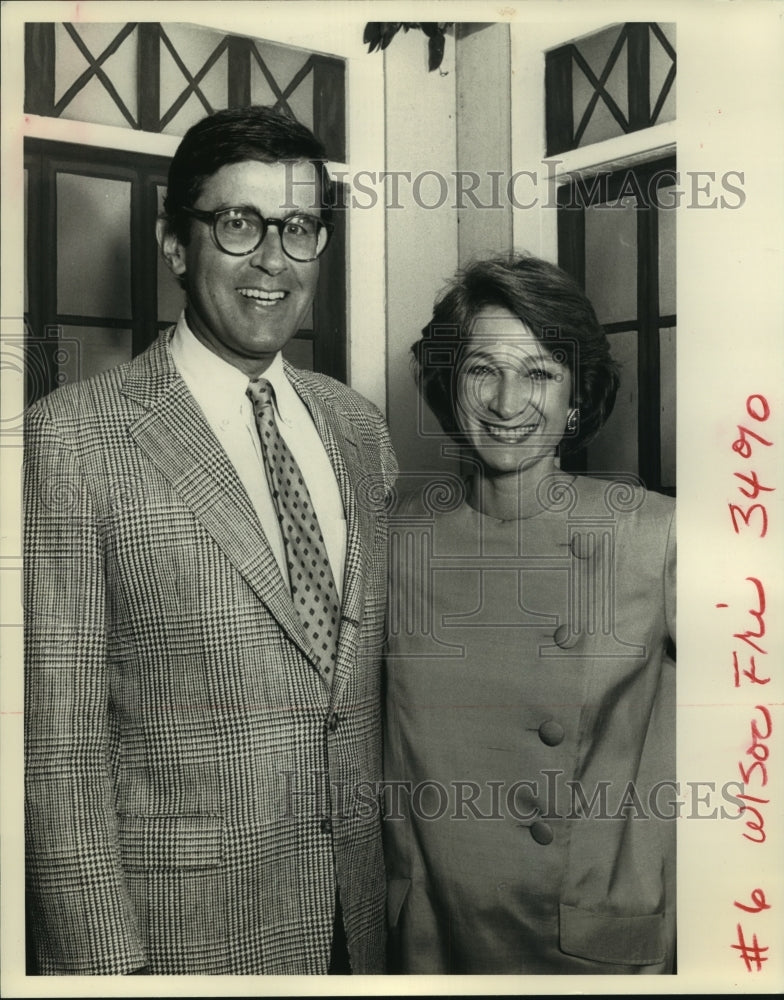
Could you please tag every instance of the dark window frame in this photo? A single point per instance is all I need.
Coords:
(329, 84)
(563, 132)
(602, 188)
(145, 172)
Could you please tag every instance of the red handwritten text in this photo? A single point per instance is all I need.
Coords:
(750, 520)
(755, 514)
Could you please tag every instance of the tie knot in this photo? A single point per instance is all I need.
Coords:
(260, 392)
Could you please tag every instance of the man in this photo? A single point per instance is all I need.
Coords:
(199, 716)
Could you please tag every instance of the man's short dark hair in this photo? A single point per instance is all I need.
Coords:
(554, 309)
(232, 136)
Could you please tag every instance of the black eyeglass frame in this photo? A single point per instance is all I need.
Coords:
(211, 218)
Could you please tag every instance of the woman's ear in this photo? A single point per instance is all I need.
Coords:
(172, 250)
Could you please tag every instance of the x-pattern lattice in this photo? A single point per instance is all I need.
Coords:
(670, 78)
(282, 95)
(193, 81)
(598, 83)
(95, 69)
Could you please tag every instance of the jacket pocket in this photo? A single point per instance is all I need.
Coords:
(620, 940)
(167, 843)
(397, 890)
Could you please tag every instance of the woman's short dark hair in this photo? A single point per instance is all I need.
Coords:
(554, 309)
(232, 136)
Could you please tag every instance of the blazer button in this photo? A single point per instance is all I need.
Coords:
(333, 721)
(564, 637)
(541, 832)
(551, 733)
(326, 825)
(583, 546)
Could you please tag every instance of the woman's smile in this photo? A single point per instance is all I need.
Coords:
(510, 435)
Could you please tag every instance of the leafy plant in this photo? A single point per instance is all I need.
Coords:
(378, 35)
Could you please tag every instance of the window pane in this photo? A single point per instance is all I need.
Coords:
(195, 48)
(615, 448)
(611, 262)
(299, 353)
(596, 50)
(93, 102)
(283, 64)
(93, 246)
(667, 396)
(661, 62)
(88, 350)
(667, 195)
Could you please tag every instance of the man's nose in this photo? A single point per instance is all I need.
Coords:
(269, 255)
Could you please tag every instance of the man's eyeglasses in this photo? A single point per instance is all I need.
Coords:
(240, 231)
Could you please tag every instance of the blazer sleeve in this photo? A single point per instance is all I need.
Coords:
(80, 914)
(670, 566)
(389, 466)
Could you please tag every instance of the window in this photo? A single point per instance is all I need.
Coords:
(616, 236)
(610, 83)
(616, 228)
(96, 290)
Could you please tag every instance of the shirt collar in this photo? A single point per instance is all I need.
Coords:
(218, 379)
(286, 398)
(202, 368)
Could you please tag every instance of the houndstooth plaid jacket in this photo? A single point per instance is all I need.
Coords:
(195, 793)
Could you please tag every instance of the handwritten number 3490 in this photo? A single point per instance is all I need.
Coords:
(758, 409)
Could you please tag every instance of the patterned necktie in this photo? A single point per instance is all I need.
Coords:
(310, 575)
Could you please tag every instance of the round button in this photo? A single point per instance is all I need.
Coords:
(326, 825)
(541, 832)
(333, 721)
(551, 733)
(564, 637)
(582, 546)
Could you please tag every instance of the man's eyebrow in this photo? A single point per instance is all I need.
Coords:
(285, 210)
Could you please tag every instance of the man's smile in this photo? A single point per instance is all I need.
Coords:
(263, 296)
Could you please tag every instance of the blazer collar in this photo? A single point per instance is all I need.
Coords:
(208, 483)
(174, 434)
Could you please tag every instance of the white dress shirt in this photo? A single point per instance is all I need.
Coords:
(220, 390)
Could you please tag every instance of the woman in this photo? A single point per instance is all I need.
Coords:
(530, 726)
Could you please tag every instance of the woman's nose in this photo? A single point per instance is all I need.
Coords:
(510, 396)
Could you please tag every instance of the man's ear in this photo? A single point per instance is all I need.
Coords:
(171, 248)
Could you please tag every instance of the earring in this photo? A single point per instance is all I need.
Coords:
(571, 420)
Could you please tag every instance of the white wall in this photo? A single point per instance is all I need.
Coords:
(421, 247)
(448, 122)
(484, 139)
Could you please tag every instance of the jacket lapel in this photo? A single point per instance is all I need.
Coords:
(178, 440)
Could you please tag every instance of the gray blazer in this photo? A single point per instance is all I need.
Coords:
(539, 673)
(182, 751)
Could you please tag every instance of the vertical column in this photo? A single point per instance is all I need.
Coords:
(39, 69)
(648, 363)
(484, 140)
(148, 82)
(559, 115)
(638, 51)
(239, 71)
(329, 105)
